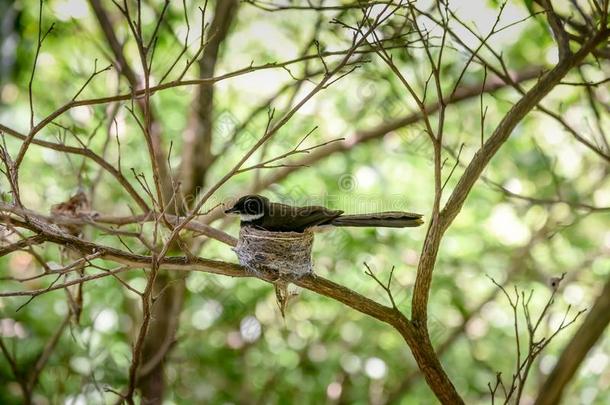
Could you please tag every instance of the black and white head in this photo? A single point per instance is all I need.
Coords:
(250, 207)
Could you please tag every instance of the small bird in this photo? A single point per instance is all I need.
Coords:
(259, 212)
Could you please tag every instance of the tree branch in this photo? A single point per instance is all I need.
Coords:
(479, 162)
(572, 356)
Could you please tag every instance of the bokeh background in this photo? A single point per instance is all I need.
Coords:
(541, 210)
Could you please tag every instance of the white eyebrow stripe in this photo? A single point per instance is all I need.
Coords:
(248, 217)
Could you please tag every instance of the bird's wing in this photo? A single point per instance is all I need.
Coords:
(316, 215)
(284, 217)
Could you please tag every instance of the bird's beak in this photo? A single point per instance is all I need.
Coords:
(230, 210)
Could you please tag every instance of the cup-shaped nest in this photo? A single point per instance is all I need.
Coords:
(287, 253)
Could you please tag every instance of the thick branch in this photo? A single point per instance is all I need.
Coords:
(480, 160)
(96, 220)
(561, 37)
(313, 283)
(574, 353)
(198, 139)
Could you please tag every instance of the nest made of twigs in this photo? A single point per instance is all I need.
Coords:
(287, 253)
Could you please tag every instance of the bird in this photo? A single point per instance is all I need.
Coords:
(259, 212)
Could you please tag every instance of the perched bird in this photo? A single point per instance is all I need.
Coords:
(259, 212)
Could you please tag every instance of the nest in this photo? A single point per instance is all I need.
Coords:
(287, 253)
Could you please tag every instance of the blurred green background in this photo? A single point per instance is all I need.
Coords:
(232, 345)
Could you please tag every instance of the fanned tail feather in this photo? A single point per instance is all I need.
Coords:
(391, 219)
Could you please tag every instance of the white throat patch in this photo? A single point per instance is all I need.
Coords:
(250, 217)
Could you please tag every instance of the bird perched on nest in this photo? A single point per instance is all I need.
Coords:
(259, 212)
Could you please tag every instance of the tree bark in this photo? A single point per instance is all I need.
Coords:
(418, 340)
(160, 337)
(197, 155)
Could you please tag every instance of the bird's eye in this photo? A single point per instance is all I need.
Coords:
(253, 206)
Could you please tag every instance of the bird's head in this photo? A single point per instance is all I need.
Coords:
(249, 207)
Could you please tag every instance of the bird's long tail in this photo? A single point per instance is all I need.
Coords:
(391, 219)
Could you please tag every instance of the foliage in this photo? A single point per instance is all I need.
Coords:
(539, 210)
